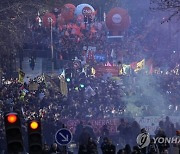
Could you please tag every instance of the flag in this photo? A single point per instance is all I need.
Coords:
(113, 54)
(149, 65)
(108, 64)
(121, 71)
(126, 68)
(140, 65)
(49, 82)
(63, 73)
(84, 71)
(151, 69)
(63, 86)
(93, 71)
(21, 76)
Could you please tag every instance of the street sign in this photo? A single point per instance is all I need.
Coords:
(63, 136)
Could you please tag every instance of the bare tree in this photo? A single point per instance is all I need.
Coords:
(15, 16)
(172, 6)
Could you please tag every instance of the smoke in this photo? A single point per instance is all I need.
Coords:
(145, 97)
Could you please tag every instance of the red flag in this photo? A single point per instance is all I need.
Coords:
(149, 64)
(151, 69)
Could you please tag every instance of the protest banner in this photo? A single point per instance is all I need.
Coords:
(33, 86)
(150, 123)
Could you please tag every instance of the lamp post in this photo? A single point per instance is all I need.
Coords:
(52, 47)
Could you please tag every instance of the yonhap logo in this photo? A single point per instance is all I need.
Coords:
(143, 140)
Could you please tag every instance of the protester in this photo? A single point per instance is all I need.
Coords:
(78, 131)
(45, 149)
(82, 149)
(152, 148)
(136, 150)
(176, 146)
(163, 147)
(107, 147)
(92, 147)
(104, 131)
(54, 149)
(127, 149)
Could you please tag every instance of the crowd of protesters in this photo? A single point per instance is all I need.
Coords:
(51, 106)
(100, 98)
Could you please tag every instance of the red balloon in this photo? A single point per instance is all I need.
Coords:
(48, 18)
(117, 20)
(67, 12)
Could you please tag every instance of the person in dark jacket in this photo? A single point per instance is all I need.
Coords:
(45, 149)
(92, 147)
(126, 150)
(78, 131)
(144, 150)
(104, 131)
(82, 149)
(54, 149)
(136, 150)
(163, 147)
(152, 148)
(107, 147)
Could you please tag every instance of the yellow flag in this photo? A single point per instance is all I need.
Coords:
(121, 71)
(63, 86)
(140, 65)
(21, 76)
(93, 71)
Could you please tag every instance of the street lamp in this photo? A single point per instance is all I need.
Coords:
(52, 48)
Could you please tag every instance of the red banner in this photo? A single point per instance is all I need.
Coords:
(100, 70)
(97, 124)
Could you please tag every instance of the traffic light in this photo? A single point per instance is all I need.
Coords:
(68, 75)
(34, 137)
(13, 132)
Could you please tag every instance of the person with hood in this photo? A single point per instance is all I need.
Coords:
(54, 149)
(176, 146)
